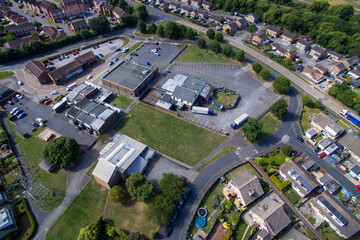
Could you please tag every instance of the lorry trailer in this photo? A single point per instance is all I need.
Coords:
(244, 117)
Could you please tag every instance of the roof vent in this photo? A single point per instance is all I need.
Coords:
(251, 192)
(264, 207)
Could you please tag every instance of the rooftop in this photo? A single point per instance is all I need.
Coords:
(303, 42)
(351, 142)
(59, 72)
(273, 29)
(79, 23)
(332, 186)
(322, 120)
(288, 34)
(36, 68)
(355, 169)
(185, 94)
(18, 42)
(128, 75)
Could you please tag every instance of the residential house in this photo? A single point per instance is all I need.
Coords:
(303, 45)
(341, 219)
(104, 6)
(321, 121)
(270, 216)
(242, 23)
(350, 62)
(315, 75)
(74, 11)
(38, 70)
(324, 143)
(86, 59)
(23, 29)
(216, 19)
(294, 234)
(33, 5)
(186, 10)
(301, 181)
(174, 6)
(194, 13)
(311, 133)
(252, 18)
(323, 70)
(231, 26)
(317, 53)
(118, 12)
(202, 14)
(273, 31)
(334, 130)
(288, 37)
(186, 1)
(336, 68)
(14, 17)
(332, 187)
(196, 3)
(282, 52)
(355, 172)
(17, 43)
(354, 74)
(246, 187)
(351, 142)
(66, 3)
(159, 1)
(260, 39)
(57, 15)
(334, 55)
(46, 7)
(78, 25)
(120, 159)
(53, 33)
(207, 5)
(64, 73)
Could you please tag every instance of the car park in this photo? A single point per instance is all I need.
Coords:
(300, 138)
(40, 120)
(50, 136)
(13, 110)
(317, 149)
(157, 54)
(111, 63)
(47, 102)
(115, 59)
(322, 155)
(21, 115)
(17, 112)
(54, 92)
(15, 99)
(10, 102)
(125, 50)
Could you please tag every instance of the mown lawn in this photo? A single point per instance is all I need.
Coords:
(6, 74)
(292, 195)
(195, 54)
(170, 135)
(31, 150)
(305, 117)
(240, 230)
(144, 35)
(236, 171)
(87, 207)
(270, 124)
(122, 101)
(216, 156)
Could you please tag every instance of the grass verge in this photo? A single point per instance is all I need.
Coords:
(270, 124)
(121, 101)
(170, 135)
(219, 154)
(133, 47)
(236, 171)
(144, 35)
(195, 54)
(6, 74)
(291, 194)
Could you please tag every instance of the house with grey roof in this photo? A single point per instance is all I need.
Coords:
(332, 187)
(355, 172)
(350, 62)
(321, 121)
(301, 181)
(270, 216)
(317, 53)
(246, 187)
(336, 68)
(334, 130)
(334, 55)
(273, 31)
(288, 37)
(303, 45)
(341, 219)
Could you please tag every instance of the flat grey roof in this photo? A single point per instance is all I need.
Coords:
(128, 75)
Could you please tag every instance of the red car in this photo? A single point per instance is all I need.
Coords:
(51, 135)
(47, 102)
(321, 155)
(357, 187)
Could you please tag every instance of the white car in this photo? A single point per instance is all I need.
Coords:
(39, 120)
(54, 92)
(89, 77)
(20, 83)
(125, 50)
(19, 96)
(154, 50)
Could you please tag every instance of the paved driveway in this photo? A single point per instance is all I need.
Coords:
(254, 97)
(56, 121)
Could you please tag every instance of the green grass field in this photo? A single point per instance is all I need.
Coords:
(122, 101)
(216, 156)
(236, 171)
(170, 135)
(270, 124)
(195, 54)
(144, 35)
(31, 150)
(6, 74)
(292, 195)
(305, 120)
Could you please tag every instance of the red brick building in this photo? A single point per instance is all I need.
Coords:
(78, 25)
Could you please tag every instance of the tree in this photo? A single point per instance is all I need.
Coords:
(122, 4)
(257, 67)
(106, 13)
(240, 55)
(281, 85)
(201, 43)
(252, 129)
(252, 28)
(141, 26)
(160, 31)
(210, 33)
(171, 30)
(61, 151)
(228, 51)
(159, 211)
(152, 28)
(189, 34)
(139, 188)
(307, 101)
(219, 37)
(319, 6)
(173, 187)
(344, 11)
(117, 193)
(128, 20)
(279, 108)
(140, 11)
(136, 236)
(153, 235)
(286, 150)
(228, 31)
(265, 74)
(99, 24)
(215, 46)
(37, 24)
(90, 232)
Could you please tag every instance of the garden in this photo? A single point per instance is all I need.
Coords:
(225, 97)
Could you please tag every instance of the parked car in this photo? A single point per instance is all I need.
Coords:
(118, 49)
(15, 99)
(115, 59)
(187, 193)
(54, 92)
(19, 96)
(357, 187)
(13, 110)
(134, 54)
(20, 83)
(125, 50)
(322, 155)
(34, 124)
(101, 55)
(21, 115)
(181, 204)
(40, 120)
(50, 136)
(168, 231)
(157, 54)
(176, 214)
(111, 63)
(10, 102)
(47, 102)
(89, 77)
(17, 112)
(300, 138)
(317, 149)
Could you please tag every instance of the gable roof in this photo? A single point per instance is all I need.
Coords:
(118, 11)
(185, 94)
(322, 120)
(78, 23)
(350, 61)
(55, 74)
(288, 34)
(53, 33)
(36, 68)
(85, 57)
(207, 3)
(336, 67)
(273, 29)
(24, 26)
(351, 142)
(17, 43)
(318, 49)
(303, 42)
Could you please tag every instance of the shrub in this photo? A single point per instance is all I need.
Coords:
(286, 150)
(117, 193)
(219, 37)
(278, 183)
(265, 74)
(210, 33)
(153, 235)
(229, 205)
(281, 85)
(201, 43)
(257, 67)
(41, 101)
(240, 55)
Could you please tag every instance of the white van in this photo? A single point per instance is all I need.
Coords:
(71, 87)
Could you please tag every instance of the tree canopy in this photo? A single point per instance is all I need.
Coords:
(279, 108)
(286, 150)
(141, 26)
(281, 85)
(257, 67)
(252, 28)
(219, 37)
(61, 151)
(228, 51)
(252, 129)
(210, 33)
(152, 28)
(215, 47)
(139, 188)
(117, 193)
(172, 186)
(101, 230)
(240, 55)
(201, 43)
(265, 74)
(99, 24)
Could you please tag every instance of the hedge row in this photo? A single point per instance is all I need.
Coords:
(278, 183)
